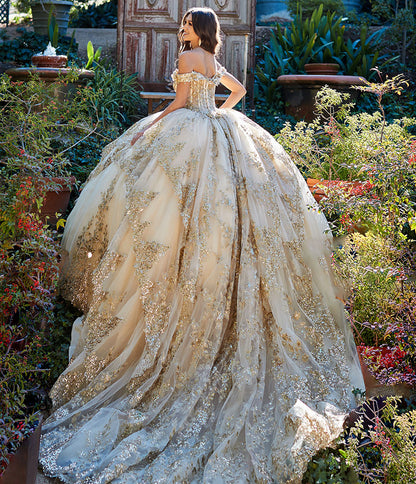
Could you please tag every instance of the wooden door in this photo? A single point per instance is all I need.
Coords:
(147, 37)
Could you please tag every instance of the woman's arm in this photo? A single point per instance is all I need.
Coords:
(236, 88)
(182, 92)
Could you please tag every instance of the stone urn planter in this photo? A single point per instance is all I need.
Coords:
(299, 90)
(40, 14)
(322, 68)
(23, 465)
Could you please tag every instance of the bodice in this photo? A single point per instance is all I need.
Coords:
(202, 92)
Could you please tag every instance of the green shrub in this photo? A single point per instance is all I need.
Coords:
(381, 446)
(21, 49)
(370, 264)
(101, 16)
(116, 97)
(85, 155)
(308, 6)
(400, 17)
(17, 369)
(320, 38)
(328, 466)
(37, 128)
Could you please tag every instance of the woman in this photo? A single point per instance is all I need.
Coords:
(213, 347)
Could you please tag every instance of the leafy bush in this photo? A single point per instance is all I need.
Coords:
(17, 366)
(345, 146)
(308, 6)
(32, 122)
(96, 16)
(21, 49)
(381, 446)
(377, 448)
(44, 128)
(381, 305)
(400, 18)
(318, 38)
(377, 160)
(115, 97)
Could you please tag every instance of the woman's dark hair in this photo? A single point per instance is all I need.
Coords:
(207, 28)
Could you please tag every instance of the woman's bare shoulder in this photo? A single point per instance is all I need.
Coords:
(187, 61)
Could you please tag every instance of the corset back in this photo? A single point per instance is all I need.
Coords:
(202, 91)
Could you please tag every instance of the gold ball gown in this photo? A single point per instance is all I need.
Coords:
(213, 347)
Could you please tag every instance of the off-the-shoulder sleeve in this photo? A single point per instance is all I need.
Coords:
(177, 77)
(221, 70)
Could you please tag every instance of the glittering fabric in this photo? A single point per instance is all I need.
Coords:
(212, 347)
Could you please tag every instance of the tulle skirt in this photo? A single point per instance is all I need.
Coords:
(213, 346)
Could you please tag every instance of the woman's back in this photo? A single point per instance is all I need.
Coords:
(199, 60)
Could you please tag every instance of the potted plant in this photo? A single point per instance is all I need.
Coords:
(41, 11)
(38, 130)
(363, 154)
(20, 423)
(381, 307)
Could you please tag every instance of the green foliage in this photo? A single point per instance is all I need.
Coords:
(43, 127)
(370, 264)
(93, 56)
(316, 38)
(33, 115)
(39, 124)
(344, 146)
(320, 38)
(308, 6)
(32, 121)
(101, 16)
(17, 367)
(400, 17)
(267, 72)
(116, 97)
(53, 29)
(382, 303)
(21, 49)
(382, 446)
(329, 467)
(269, 118)
(86, 154)
(372, 163)
(55, 343)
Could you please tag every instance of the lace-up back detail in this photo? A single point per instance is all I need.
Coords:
(202, 93)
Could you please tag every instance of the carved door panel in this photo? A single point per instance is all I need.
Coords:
(147, 37)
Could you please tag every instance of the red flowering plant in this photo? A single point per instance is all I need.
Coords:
(17, 369)
(38, 128)
(381, 445)
(379, 275)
